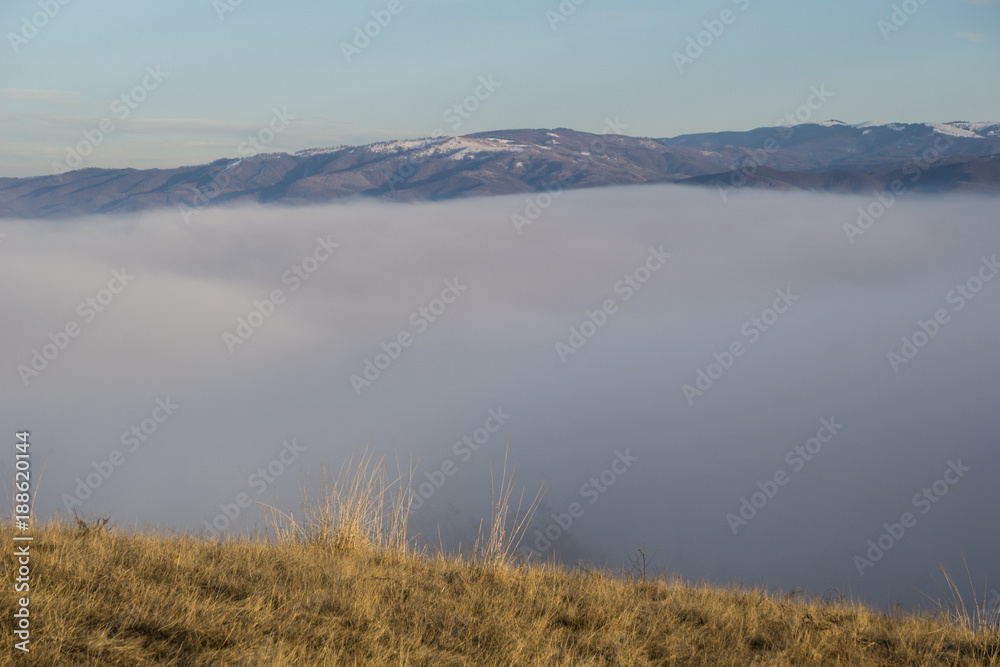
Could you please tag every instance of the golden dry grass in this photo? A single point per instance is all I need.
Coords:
(350, 595)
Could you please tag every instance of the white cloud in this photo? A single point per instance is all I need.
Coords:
(495, 347)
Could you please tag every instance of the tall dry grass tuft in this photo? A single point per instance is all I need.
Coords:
(983, 616)
(361, 507)
(498, 548)
(104, 596)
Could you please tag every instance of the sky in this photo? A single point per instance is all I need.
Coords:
(222, 70)
(160, 407)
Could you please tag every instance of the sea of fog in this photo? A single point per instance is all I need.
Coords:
(746, 390)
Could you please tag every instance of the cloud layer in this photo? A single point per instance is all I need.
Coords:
(655, 393)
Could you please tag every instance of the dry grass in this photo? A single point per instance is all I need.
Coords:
(498, 548)
(343, 587)
(360, 508)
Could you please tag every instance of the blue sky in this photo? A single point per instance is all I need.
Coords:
(226, 72)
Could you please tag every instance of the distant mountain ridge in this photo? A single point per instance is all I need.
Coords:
(829, 156)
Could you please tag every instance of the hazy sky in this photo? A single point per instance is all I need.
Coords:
(193, 415)
(225, 66)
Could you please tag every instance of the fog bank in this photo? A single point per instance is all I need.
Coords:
(724, 384)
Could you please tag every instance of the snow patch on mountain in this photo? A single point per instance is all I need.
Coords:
(951, 130)
(463, 147)
(982, 129)
(896, 127)
(955, 129)
(405, 145)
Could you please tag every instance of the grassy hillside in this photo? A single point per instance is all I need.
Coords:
(337, 589)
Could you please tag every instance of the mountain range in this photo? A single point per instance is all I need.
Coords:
(829, 156)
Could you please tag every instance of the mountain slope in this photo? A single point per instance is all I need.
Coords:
(117, 598)
(828, 156)
(834, 144)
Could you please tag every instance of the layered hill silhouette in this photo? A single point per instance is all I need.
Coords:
(830, 156)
